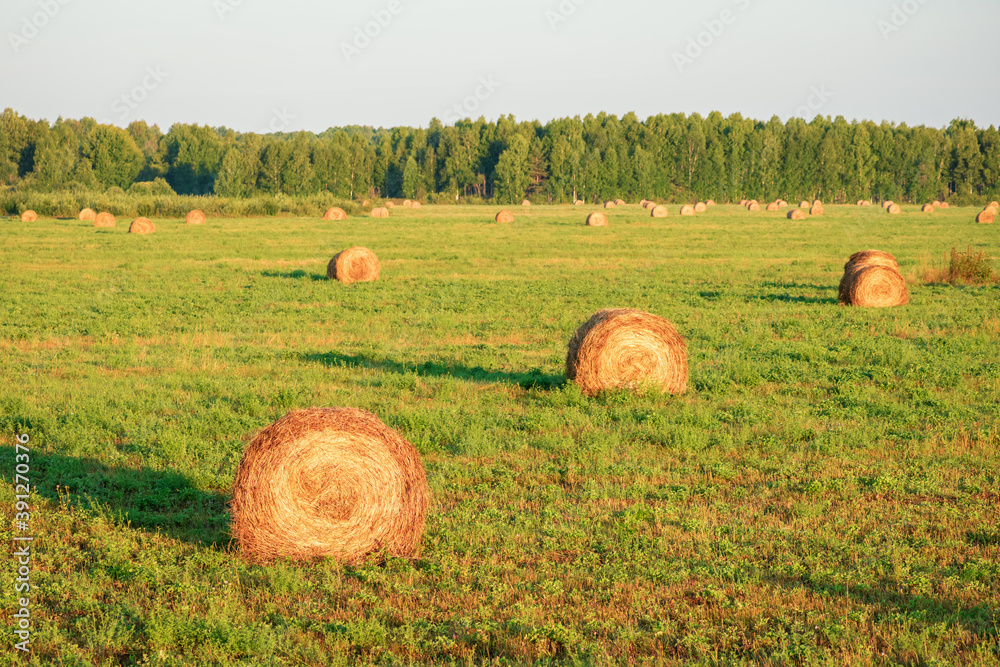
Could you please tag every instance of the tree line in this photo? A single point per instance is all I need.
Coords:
(667, 157)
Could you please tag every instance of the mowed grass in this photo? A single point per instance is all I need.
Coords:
(826, 492)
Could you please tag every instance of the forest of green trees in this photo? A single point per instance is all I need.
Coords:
(673, 157)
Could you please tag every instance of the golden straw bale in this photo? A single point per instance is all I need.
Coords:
(335, 213)
(781, 203)
(874, 286)
(796, 214)
(659, 212)
(927, 208)
(753, 206)
(88, 214)
(407, 203)
(894, 209)
(382, 212)
(710, 202)
(993, 208)
(700, 207)
(773, 206)
(390, 204)
(862, 259)
(505, 216)
(142, 226)
(416, 204)
(354, 265)
(886, 204)
(626, 349)
(104, 219)
(805, 204)
(194, 217)
(609, 204)
(329, 482)
(29, 216)
(525, 203)
(945, 204)
(597, 219)
(687, 209)
(578, 202)
(817, 202)
(643, 203)
(985, 217)
(743, 202)
(816, 210)
(619, 202)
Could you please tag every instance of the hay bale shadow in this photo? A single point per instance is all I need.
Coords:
(298, 274)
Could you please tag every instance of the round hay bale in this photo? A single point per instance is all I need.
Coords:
(525, 203)
(389, 204)
(875, 286)
(104, 219)
(927, 208)
(710, 202)
(609, 204)
(743, 202)
(687, 209)
(329, 482)
(659, 212)
(753, 206)
(805, 204)
(195, 217)
(88, 214)
(625, 349)
(894, 209)
(817, 202)
(796, 214)
(643, 203)
(985, 218)
(886, 204)
(773, 206)
(29, 216)
(142, 226)
(354, 265)
(861, 259)
(417, 204)
(945, 204)
(781, 203)
(619, 202)
(335, 213)
(578, 202)
(936, 204)
(993, 208)
(700, 207)
(816, 210)
(505, 216)
(597, 219)
(407, 203)
(994, 204)
(382, 212)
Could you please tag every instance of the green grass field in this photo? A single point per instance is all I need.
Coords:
(827, 492)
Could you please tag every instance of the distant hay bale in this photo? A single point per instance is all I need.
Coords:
(743, 202)
(195, 217)
(597, 219)
(710, 202)
(578, 202)
(945, 204)
(805, 204)
(817, 202)
(609, 204)
(927, 208)
(753, 206)
(335, 214)
(936, 204)
(864, 202)
(773, 206)
(816, 210)
(407, 203)
(390, 204)
(994, 204)
(894, 209)
(886, 204)
(781, 203)
(525, 202)
(619, 202)
(659, 212)
(88, 214)
(643, 203)
(700, 207)
(104, 219)
(649, 205)
(874, 286)
(142, 226)
(625, 349)
(329, 482)
(416, 204)
(382, 212)
(985, 217)
(29, 216)
(354, 265)
(993, 208)
(796, 214)
(687, 209)
(505, 216)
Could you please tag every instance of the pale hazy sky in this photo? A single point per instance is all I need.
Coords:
(259, 65)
